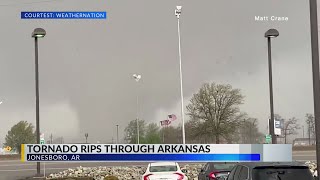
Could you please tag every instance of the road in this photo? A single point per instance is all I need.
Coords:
(304, 155)
(15, 170)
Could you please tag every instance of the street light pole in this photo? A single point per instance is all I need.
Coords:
(274, 140)
(137, 78)
(138, 129)
(37, 33)
(178, 13)
(271, 33)
(315, 74)
(37, 98)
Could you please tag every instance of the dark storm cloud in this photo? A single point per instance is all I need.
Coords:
(90, 63)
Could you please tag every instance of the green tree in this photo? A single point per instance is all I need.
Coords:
(217, 106)
(152, 134)
(20, 133)
(171, 135)
(196, 131)
(131, 131)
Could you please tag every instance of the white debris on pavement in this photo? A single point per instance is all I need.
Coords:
(313, 167)
(134, 172)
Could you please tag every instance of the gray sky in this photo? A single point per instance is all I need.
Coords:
(86, 66)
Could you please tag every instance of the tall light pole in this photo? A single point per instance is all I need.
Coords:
(137, 77)
(271, 33)
(37, 33)
(178, 13)
(315, 74)
(117, 134)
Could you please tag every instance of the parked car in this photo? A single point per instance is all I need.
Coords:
(215, 171)
(164, 170)
(270, 171)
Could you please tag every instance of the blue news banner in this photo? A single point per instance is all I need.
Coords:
(157, 152)
(145, 157)
(64, 15)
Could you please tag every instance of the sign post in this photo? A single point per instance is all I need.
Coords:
(268, 138)
(278, 127)
(42, 141)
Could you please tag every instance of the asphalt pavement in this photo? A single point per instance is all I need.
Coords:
(304, 155)
(16, 170)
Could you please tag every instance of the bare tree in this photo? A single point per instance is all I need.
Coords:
(311, 126)
(193, 135)
(217, 108)
(248, 131)
(197, 132)
(235, 130)
(290, 128)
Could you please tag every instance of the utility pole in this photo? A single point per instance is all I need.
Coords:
(309, 132)
(86, 136)
(251, 127)
(117, 134)
(163, 135)
(315, 74)
(51, 138)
